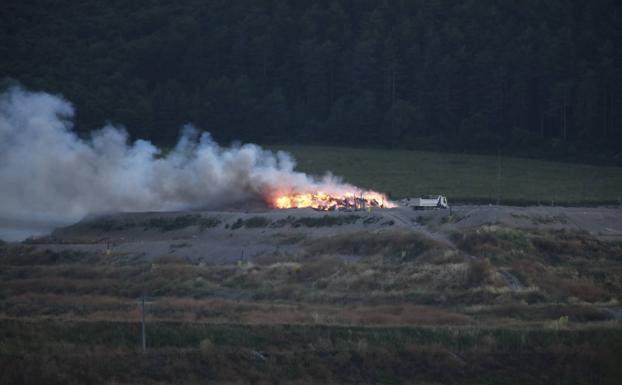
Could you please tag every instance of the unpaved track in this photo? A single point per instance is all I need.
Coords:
(412, 224)
(512, 281)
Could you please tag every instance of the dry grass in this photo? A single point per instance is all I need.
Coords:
(565, 265)
(53, 352)
(320, 316)
(544, 313)
(389, 268)
(479, 273)
(394, 246)
(104, 308)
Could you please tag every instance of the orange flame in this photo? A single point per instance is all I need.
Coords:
(322, 201)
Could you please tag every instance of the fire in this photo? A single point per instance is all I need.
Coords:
(322, 201)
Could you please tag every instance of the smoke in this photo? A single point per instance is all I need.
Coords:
(49, 176)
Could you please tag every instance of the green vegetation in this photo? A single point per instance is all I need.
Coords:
(165, 223)
(108, 224)
(208, 222)
(57, 353)
(463, 177)
(564, 264)
(252, 223)
(323, 221)
(182, 221)
(237, 224)
(532, 77)
(175, 223)
(393, 245)
(255, 222)
(384, 267)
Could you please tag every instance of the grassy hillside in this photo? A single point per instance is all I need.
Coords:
(464, 177)
(406, 310)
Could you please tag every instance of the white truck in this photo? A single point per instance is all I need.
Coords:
(431, 202)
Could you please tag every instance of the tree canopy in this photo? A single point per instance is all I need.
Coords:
(532, 77)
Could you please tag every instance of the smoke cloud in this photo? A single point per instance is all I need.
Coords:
(49, 176)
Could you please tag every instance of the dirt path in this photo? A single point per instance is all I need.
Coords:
(512, 281)
(419, 228)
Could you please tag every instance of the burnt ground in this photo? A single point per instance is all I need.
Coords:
(227, 236)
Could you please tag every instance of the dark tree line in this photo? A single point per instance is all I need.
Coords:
(532, 77)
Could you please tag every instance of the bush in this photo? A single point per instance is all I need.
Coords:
(256, 222)
(208, 222)
(176, 223)
(237, 224)
(395, 245)
(111, 224)
(324, 221)
(479, 273)
(206, 346)
(317, 268)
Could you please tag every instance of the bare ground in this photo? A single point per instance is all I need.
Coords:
(227, 236)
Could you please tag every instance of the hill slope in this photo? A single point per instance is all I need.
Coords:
(464, 178)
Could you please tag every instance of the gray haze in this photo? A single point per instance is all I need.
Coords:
(49, 176)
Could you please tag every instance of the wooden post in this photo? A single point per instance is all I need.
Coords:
(142, 319)
(498, 177)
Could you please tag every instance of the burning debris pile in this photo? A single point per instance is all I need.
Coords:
(361, 200)
(53, 177)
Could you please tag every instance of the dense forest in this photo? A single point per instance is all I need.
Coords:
(530, 77)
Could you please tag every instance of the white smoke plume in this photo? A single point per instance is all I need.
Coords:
(49, 176)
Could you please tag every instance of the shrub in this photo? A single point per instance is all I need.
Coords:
(421, 220)
(208, 222)
(111, 224)
(176, 223)
(182, 221)
(289, 239)
(256, 222)
(170, 260)
(317, 268)
(206, 346)
(371, 220)
(504, 244)
(560, 323)
(558, 244)
(324, 221)
(237, 224)
(272, 258)
(550, 312)
(449, 219)
(479, 273)
(394, 245)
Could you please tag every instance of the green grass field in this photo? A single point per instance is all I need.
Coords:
(467, 178)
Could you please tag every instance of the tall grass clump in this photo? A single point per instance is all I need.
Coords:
(400, 246)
